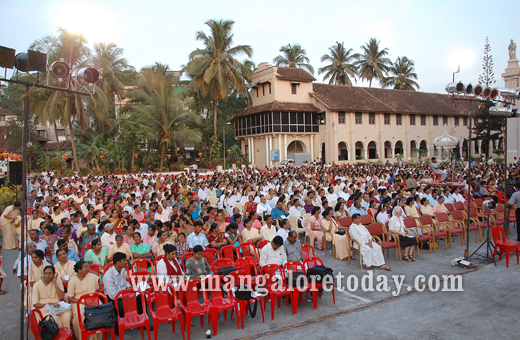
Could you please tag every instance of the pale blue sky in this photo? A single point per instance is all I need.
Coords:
(432, 33)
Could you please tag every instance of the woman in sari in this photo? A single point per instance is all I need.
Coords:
(97, 254)
(82, 283)
(49, 290)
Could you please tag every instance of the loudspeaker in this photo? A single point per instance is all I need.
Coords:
(15, 173)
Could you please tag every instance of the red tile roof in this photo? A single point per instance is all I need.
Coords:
(363, 99)
(293, 73)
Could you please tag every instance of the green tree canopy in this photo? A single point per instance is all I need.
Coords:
(341, 68)
(293, 56)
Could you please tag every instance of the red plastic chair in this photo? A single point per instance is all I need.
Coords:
(220, 263)
(501, 197)
(143, 264)
(93, 299)
(166, 309)
(219, 303)
(63, 334)
(307, 251)
(185, 258)
(248, 249)
(192, 306)
(156, 260)
(229, 252)
(501, 242)
(227, 219)
(98, 270)
(211, 255)
(132, 319)
(275, 288)
(316, 286)
(295, 267)
(233, 282)
(84, 249)
(262, 243)
(248, 265)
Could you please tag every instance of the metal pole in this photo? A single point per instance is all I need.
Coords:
(23, 211)
(466, 252)
(506, 217)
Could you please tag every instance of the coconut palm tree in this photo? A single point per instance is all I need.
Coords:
(214, 69)
(341, 68)
(133, 129)
(293, 56)
(403, 75)
(372, 63)
(109, 60)
(154, 100)
(69, 109)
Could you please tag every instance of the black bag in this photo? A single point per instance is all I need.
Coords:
(243, 293)
(318, 273)
(341, 232)
(100, 316)
(49, 328)
(226, 270)
(293, 279)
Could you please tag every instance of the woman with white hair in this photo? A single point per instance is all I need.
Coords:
(407, 238)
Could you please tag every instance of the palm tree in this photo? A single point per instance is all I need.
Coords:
(154, 100)
(108, 59)
(214, 70)
(67, 108)
(341, 68)
(133, 129)
(372, 63)
(403, 75)
(293, 56)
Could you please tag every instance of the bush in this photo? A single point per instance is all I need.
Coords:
(8, 196)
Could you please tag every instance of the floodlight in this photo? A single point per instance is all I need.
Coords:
(88, 75)
(477, 91)
(509, 93)
(501, 111)
(59, 69)
(31, 61)
(7, 57)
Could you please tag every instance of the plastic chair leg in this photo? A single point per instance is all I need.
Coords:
(214, 320)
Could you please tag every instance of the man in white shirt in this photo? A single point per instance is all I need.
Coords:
(331, 196)
(285, 227)
(202, 193)
(296, 209)
(273, 253)
(108, 239)
(371, 251)
(436, 170)
(263, 207)
(268, 231)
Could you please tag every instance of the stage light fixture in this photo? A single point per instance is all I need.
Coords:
(477, 91)
(59, 69)
(502, 111)
(508, 93)
(87, 76)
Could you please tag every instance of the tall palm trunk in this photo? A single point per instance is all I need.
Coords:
(73, 144)
(161, 162)
(133, 157)
(56, 133)
(215, 103)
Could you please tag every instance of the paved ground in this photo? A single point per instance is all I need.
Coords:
(487, 307)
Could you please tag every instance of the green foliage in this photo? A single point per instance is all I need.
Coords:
(487, 78)
(372, 62)
(487, 127)
(8, 195)
(215, 148)
(499, 152)
(293, 56)
(403, 75)
(214, 70)
(341, 67)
